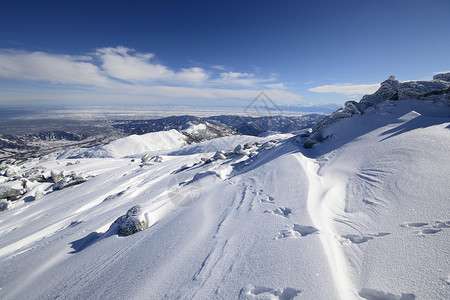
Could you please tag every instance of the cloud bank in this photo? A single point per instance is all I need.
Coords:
(347, 89)
(123, 71)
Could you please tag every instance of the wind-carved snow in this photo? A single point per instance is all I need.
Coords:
(326, 199)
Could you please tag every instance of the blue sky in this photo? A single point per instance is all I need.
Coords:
(215, 52)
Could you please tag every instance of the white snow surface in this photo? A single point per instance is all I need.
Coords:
(362, 215)
(132, 145)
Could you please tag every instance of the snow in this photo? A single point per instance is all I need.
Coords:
(361, 215)
(133, 145)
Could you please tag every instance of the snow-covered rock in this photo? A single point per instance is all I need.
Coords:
(56, 175)
(387, 91)
(219, 155)
(442, 76)
(12, 190)
(130, 223)
(420, 90)
(68, 181)
(9, 172)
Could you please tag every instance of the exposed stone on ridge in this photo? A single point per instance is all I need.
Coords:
(436, 90)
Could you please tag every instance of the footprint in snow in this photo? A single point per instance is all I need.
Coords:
(428, 228)
(267, 199)
(297, 231)
(359, 239)
(281, 211)
(251, 292)
(371, 294)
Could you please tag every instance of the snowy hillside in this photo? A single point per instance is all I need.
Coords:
(362, 214)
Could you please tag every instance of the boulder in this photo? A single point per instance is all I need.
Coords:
(11, 191)
(67, 181)
(56, 176)
(130, 223)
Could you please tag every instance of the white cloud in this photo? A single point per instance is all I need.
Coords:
(237, 79)
(126, 64)
(280, 86)
(234, 75)
(219, 67)
(52, 68)
(347, 89)
(123, 72)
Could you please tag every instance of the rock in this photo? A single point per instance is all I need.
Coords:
(4, 204)
(158, 159)
(38, 178)
(69, 181)
(239, 149)
(354, 107)
(219, 155)
(387, 91)
(248, 145)
(132, 222)
(61, 184)
(442, 76)
(145, 158)
(10, 172)
(434, 90)
(11, 191)
(72, 163)
(421, 89)
(30, 173)
(309, 143)
(56, 176)
(268, 145)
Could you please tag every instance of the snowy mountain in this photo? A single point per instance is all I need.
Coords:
(28, 138)
(362, 214)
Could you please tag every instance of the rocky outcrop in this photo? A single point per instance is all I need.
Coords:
(442, 76)
(436, 90)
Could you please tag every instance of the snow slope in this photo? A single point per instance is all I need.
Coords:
(132, 145)
(362, 215)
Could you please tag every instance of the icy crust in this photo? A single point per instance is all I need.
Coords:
(436, 91)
